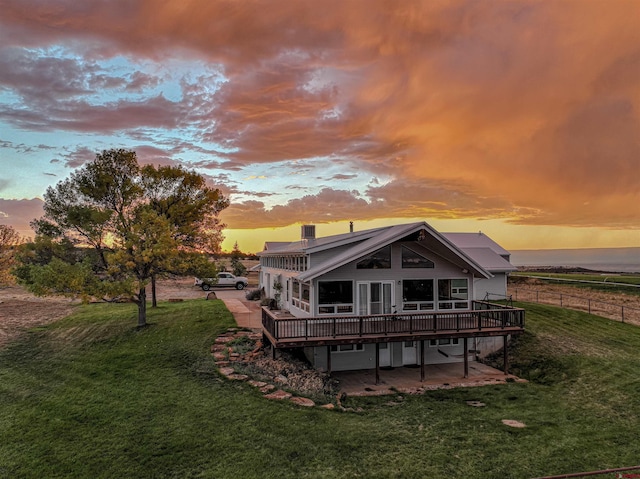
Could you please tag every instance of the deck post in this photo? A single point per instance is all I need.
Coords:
(422, 360)
(377, 363)
(466, 358)
(329, 360)
(506, 355)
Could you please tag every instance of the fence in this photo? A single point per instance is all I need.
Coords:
(618, 312)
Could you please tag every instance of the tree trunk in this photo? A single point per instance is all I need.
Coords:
(142, 307)
(154, 302)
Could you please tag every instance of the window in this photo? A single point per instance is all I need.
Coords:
(417, 294)
(347, 348)
(444, 342)
(381, 259)
(300, 292)
(335, 297)
(453, 293)
(411, 259)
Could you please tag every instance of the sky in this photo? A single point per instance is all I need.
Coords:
(517, 118)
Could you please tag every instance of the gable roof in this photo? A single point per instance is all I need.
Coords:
(490, 260)
(316, 245)
(484, 250)
(475, 240)
(372, 240)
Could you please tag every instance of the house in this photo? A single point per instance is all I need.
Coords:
(391, 296)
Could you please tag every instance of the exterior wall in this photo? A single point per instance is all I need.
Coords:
(487, 346)
(442, 270)
(496, 287)
(398, 356)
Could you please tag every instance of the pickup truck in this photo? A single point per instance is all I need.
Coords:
(224, 279)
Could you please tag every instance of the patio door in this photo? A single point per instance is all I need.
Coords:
(375, 297)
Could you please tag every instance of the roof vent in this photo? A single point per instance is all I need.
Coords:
(308, 232)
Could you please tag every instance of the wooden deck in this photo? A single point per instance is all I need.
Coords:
(485, 319)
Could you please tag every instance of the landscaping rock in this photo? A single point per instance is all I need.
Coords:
(227, 371)
(257, 384)
(218, 356)
(266, 388)
(280, 379)
(238, 377)
(513, 423)
(279, 395)
(305, 402)
(328, 406)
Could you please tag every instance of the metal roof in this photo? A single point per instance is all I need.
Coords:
(489, 260)
(384, 236)
(475, 240)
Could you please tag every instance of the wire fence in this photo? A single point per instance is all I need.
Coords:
(615, 311)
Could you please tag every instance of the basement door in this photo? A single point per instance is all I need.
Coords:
(409, 352)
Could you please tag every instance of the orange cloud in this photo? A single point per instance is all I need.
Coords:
(525, 111)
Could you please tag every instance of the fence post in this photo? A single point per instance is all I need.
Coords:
(537, 296)
(561, 300)
(589, 302)
(622, 307)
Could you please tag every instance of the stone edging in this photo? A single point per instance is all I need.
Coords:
(225, 357)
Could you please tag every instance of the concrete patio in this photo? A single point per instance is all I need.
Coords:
(407, 379)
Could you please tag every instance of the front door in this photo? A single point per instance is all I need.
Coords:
(375, 297)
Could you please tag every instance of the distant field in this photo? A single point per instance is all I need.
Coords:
(91, 396)
(600, 277)
(618, 284)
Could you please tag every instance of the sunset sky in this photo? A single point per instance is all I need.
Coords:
(518, 118)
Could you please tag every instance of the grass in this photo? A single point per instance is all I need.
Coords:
(91, 396)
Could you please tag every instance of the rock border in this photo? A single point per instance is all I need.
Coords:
(225, 357)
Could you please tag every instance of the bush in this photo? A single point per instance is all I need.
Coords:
(253, 294)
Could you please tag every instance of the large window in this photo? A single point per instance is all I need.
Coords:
(381, 259)
(335, 297)
(411, 259)
(300, 293)
(417, 295)
(453, 293)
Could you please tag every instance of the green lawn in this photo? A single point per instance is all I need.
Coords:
(90, 396)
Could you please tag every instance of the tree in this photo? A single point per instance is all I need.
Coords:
(236, 265)
(113, 226)
(9, 241)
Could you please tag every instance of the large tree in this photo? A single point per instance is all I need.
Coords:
(113, 226)
(9, 241)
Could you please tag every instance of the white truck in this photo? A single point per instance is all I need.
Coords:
(224, 279)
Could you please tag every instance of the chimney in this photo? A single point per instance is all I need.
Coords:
(308, 232)
(350, 226)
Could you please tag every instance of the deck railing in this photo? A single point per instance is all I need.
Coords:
(483, 316)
